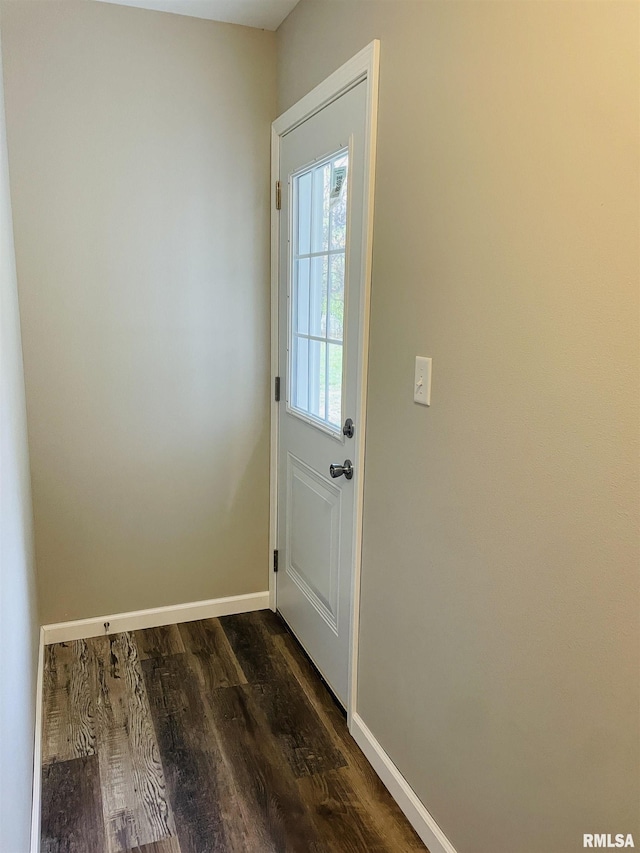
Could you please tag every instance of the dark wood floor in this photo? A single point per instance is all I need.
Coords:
(209, 736)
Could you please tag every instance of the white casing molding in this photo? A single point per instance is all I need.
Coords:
(273, 448)
(37, 753)
(404, 795)
(80, 629)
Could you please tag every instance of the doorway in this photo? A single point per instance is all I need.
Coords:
(323, 169)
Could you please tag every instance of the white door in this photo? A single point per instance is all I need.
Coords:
(322, 174)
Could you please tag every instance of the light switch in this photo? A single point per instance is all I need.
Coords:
(422, 381)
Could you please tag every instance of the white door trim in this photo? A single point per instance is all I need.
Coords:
(36, 788)
(363, 67)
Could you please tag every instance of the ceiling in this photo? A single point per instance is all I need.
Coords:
(264, 14)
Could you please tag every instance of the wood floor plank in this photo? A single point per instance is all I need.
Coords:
(158, 642)
(339, 816)
(169, 845)
(203, 797)
(268, 795)
(135, 806)
(273, 622)
(71, 817)
(303, 738)
(68, 709)
(208, 642)
(383, 813)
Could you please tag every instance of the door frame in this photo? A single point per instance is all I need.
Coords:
(364, 66)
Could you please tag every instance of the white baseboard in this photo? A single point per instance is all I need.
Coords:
(417, 815)
(81, 629)
(37, 753)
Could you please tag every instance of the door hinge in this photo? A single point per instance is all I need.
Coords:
(276, 390)
(275, 560)
(278, 196)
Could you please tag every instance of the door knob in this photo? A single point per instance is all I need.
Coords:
(339, 470)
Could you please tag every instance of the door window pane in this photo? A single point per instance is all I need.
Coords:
(317, 312)
(334, 384)
(336, 297)
(302, 295)
(320, 208)
(338, 204)
(317, 378)
(301, 375)
(318, 296)
(304, 212)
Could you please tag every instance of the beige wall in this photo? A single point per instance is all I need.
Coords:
(499, 644)
(18, 611)
(139, 160)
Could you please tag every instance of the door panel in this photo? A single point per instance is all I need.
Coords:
(313, 536)
(322, 176)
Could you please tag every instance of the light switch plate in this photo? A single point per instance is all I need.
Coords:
(422, 381)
